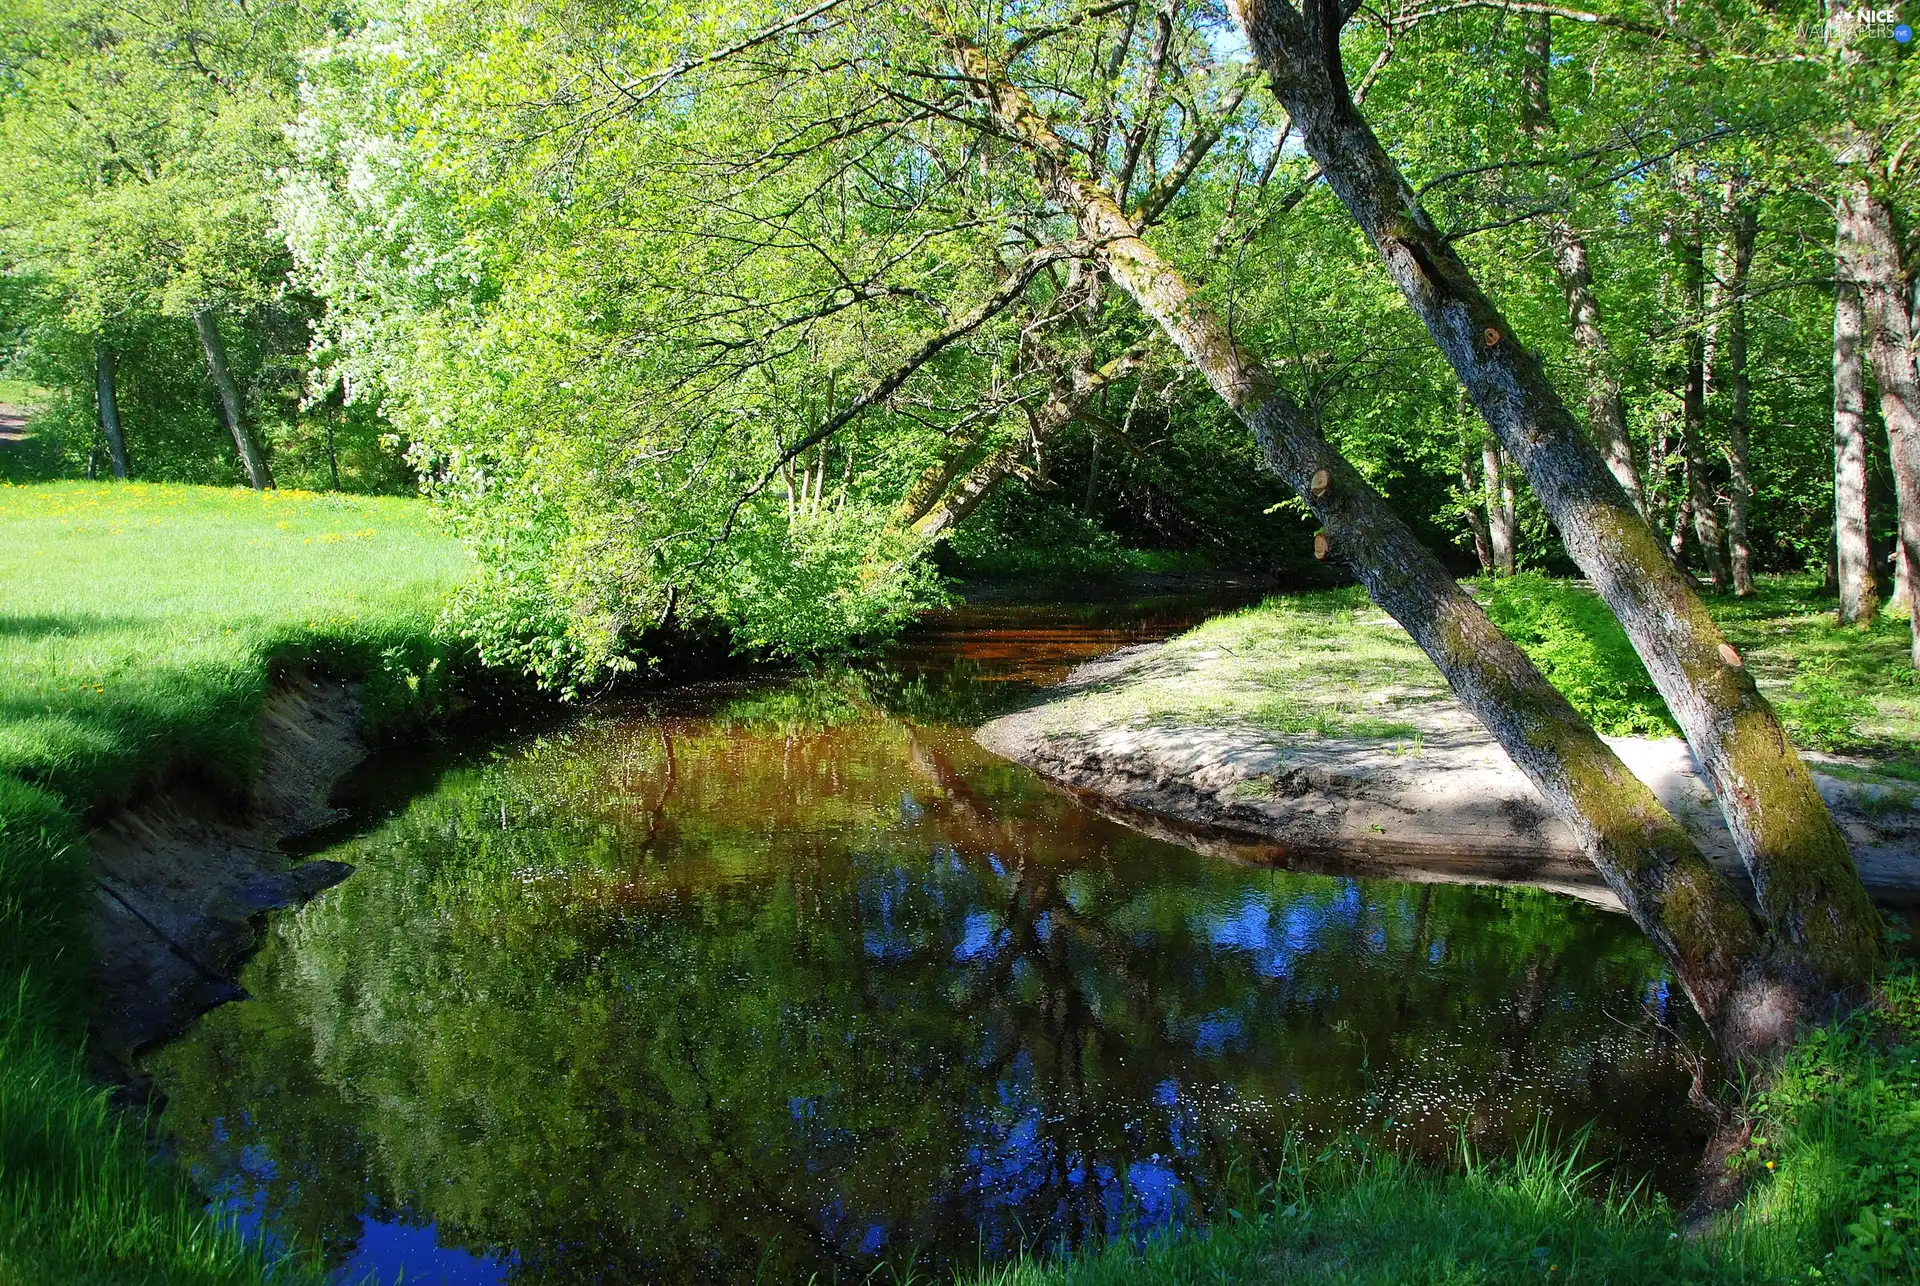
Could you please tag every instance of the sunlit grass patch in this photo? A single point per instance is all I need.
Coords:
(1325, 664)
(1841, 688)
(137, 621)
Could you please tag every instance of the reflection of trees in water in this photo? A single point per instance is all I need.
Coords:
(673, 999)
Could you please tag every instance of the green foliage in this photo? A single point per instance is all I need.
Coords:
(1826, 709)
(1836, 1143)
(1017, 533)
(138, 160)
(138, 626)
(1580, 647)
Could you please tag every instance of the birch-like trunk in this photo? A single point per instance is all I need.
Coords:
(1802, 872)
(1496, 481)
(1471, 483)
(1744, 229)
(1692, 915)
(230, 404)
(1693, 409)
(105, 365)
(1852, 563)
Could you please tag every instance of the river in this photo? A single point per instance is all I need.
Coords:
(787, 977)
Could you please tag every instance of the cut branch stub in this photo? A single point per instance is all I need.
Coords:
(1730, 656)
(1322, 480)
(1322, 545)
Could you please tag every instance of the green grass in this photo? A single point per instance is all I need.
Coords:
(139, 625)
(1325, 663)
(1835, 1166)
(1844, 689)
(19, 393)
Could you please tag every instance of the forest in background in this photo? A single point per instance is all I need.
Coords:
(723, 318)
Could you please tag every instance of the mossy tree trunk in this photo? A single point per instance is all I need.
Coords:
(1803, 874)
(1692, 915)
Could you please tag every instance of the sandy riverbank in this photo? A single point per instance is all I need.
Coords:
(1388, 779)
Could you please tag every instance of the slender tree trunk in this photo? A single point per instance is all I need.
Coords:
(1693, 410)
(1875, 263)
(1501, 503)
(1802, 872)
(1853, 566)
(1606, 409)
(1472, 482)
(216, 350)
(1093, 474)
(105, 364)
(1690, 913)
(1739, 393)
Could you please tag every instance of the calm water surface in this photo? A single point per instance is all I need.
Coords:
(790, 978)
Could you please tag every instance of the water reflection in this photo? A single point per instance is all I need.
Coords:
(771, 981)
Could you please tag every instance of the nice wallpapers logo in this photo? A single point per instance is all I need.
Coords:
(1882, 22)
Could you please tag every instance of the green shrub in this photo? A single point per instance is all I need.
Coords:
(1582, 650)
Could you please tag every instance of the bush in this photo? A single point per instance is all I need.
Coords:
(1582, 650)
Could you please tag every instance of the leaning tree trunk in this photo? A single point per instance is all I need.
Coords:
(1875, 263)
(1606, 408)
(1692, 915)
(1739, 396)
(952, 502)
(105, 365)
(1693, 410)
(1802, 872)
(230, 404)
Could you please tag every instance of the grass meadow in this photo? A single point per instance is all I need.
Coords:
(139, 625)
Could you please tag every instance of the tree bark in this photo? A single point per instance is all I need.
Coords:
(1501, 503)
(230, 404)
(1693, 409)
(1691, 913)
(1745, 228)
(105, 364)
(1876, 265)
(1802, 872)
(1472, 482)
(1853, 566)
(1606, 409)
